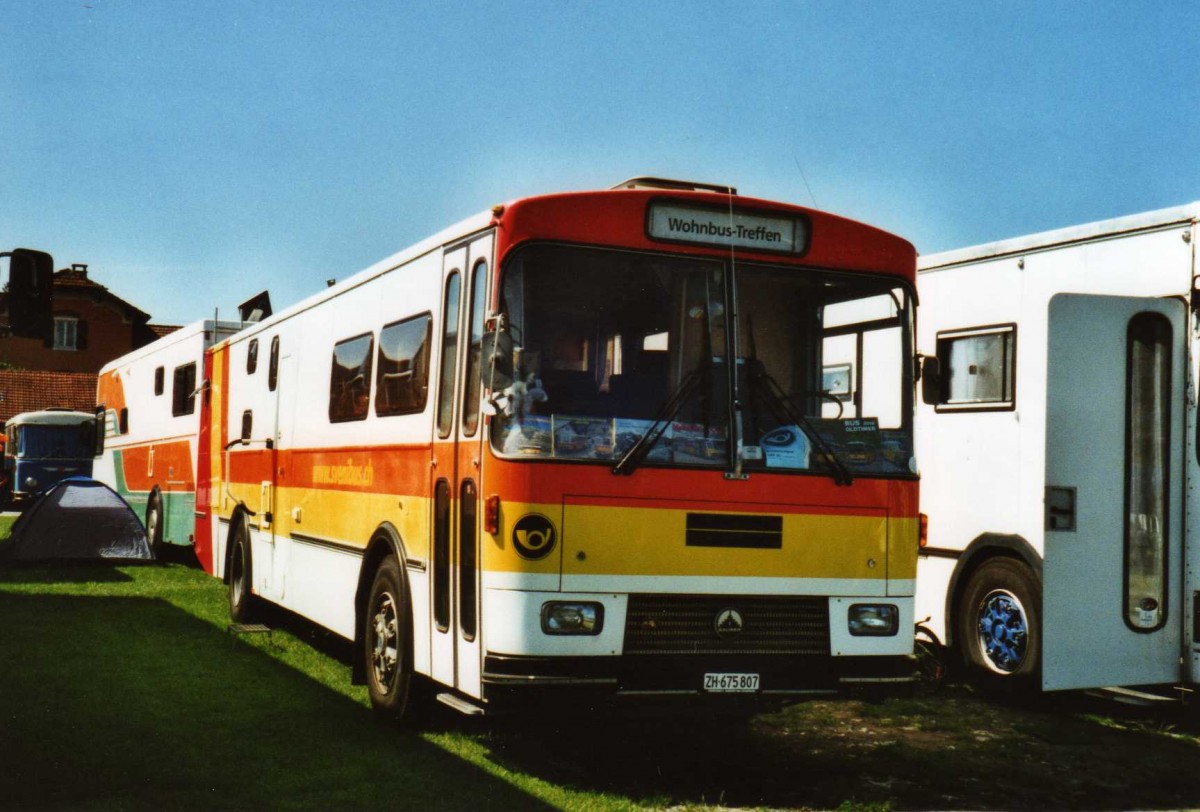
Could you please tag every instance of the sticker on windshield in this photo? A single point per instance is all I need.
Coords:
(786, 447)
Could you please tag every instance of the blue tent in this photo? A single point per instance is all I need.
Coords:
(78, 518)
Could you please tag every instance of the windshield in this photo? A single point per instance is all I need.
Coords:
(54, 442)
(610, 347)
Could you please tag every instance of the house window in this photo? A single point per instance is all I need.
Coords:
(978, 368)
(66, 333)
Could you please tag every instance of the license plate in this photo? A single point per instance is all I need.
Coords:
(730, 683)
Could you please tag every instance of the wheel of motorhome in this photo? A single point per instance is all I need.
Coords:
(154, 527)
(998, 629)
(241, 598)
(386, 630)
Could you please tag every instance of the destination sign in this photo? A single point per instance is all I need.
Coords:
(739, 229)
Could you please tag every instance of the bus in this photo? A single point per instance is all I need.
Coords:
(1058, 445)
(583, 446)
(44, 447)
(150, 427)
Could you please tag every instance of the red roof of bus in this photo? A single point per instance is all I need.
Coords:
(618, 217)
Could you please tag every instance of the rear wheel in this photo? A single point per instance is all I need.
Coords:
(999, 625)
(386, 644)
(241, 599)
(154, 524)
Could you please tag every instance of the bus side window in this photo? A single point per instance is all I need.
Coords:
(350, 379)
(273, 365)
(402, 384)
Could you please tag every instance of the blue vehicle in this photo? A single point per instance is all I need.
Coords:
(45, 447)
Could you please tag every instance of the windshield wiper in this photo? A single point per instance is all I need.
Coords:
(666, 413)
(782, 408)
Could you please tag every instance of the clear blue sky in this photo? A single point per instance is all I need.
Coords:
(194, 152)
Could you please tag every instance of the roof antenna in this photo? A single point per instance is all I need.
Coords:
(805, 179)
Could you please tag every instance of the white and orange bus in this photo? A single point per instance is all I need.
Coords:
(653, 440)
(150, 425)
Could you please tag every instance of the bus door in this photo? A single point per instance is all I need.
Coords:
(1113, 612)
(455, 471)
(281, 381)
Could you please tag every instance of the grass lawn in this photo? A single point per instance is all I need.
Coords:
(121, 688)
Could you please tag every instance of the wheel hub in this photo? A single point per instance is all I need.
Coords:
(1003, 631)
(384, 648)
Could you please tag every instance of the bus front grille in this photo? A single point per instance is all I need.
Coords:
(726, 624)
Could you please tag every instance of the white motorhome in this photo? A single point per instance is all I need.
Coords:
(1058, 449)
(150, 427)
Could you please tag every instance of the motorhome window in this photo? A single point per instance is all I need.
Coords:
(470, 413)
(350, 379)
(252, 357)
(402, 386)
(273, 365)
(123, 420)
(247, 425)
(159, 380)
(1147, 469)
(183, 390)
(605, 341)
(978, 368)
(445, 401)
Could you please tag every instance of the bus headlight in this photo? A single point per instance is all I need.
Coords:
(31, 482)
(873, 620)
(571, 617)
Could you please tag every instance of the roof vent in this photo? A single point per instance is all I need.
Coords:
(256, 308)
(80, 268)
(676, 185)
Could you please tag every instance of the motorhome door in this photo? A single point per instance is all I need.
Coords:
(1115, 400)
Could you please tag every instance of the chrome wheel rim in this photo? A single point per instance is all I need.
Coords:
(385, 636)
(1003, 631)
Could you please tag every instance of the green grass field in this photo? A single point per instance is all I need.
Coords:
(121, 688)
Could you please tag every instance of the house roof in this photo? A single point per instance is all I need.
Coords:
(74, 281)
(31, 390)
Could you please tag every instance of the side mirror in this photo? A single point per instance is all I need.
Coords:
(99, 428)
(931, 379)
(496, 360)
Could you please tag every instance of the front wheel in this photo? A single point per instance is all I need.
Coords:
(241, 598)
(999, 626)
(386, 631)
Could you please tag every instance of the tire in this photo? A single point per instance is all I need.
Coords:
(154, 525)
(387, 650)
(999, 626)
(242, 602)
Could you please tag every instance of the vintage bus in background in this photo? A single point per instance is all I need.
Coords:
(44, 447)
(150, 424)
(1058, 446)
(654, 440)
